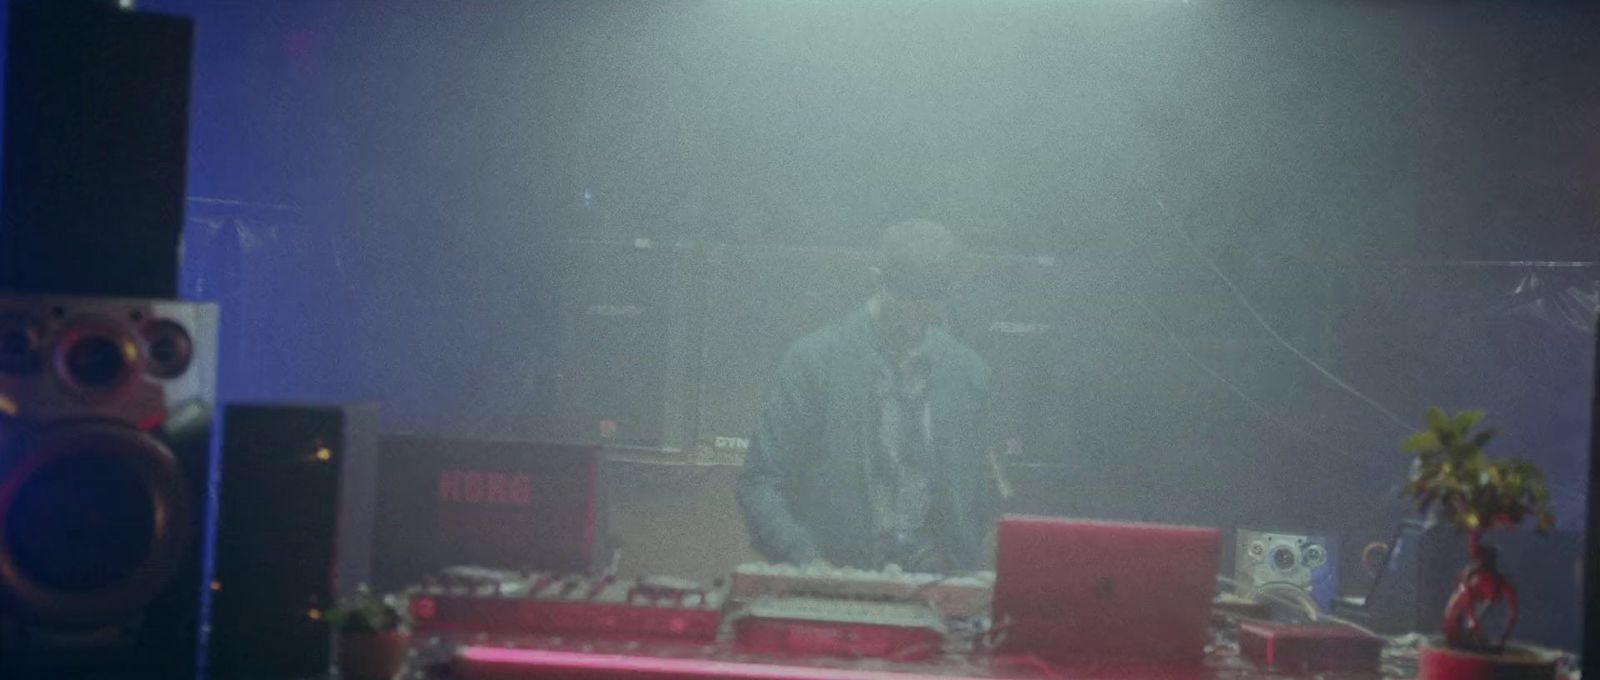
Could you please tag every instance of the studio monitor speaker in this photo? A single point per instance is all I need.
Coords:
(96, 146)
(105, 457)
(294, 533)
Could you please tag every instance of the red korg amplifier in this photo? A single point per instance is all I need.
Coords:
(479, 600)
(511, 505)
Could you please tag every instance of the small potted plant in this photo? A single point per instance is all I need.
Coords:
(1453, 479)
(371, 636)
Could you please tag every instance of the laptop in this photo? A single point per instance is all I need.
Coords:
(1081, 592)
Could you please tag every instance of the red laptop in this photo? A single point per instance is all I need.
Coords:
(1075, 591)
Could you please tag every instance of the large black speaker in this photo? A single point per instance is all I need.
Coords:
(96, 131)
(758, 301)
(1017, 312)
(294, 532)
(105, 459)
(620, 343)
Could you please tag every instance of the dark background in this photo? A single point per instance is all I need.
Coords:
(1236, 249)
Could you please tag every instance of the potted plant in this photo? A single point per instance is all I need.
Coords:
(1455, 480)
(371, 636)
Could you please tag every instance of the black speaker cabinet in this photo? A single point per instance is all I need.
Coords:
(758, 301)
(96, 141)
(105, 457)
(615, 358)
(294, 532)
(1019, 314)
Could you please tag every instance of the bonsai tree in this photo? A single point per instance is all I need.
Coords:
(365, 612)
(1453, 478)
(372, 637)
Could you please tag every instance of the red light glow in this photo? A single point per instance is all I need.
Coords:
(658, 667)
(423, 608)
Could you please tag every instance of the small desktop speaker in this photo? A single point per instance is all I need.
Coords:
(1288, 565)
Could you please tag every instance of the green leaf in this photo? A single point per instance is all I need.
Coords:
(1421, 441)
(1465, 420)
(1475, 462)
(1532, 471)
(1452, 475)
(1437, 421)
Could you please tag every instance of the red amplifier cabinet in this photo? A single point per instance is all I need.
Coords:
(446, 501)
(563, 617)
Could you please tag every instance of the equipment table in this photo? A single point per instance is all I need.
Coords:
(485, 658)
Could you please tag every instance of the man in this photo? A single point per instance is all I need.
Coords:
(873, 443)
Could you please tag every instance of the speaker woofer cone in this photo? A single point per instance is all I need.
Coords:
(1314, 556)
(96, 360)
(1284, 558)
(93, 523)
(168, 349)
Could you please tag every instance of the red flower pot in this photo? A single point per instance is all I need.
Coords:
(372, 656)
(1437, 662)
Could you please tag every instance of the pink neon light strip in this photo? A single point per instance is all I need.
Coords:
(647, 666)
